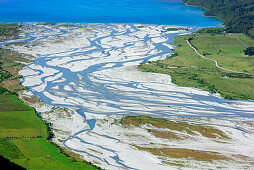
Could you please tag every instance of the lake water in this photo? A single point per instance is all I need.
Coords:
(170, 12)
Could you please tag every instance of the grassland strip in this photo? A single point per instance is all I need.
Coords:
(216, 63)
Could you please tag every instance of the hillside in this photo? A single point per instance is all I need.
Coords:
(238, 15)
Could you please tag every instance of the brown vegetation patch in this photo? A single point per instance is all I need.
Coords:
(59, 41)
(9, 62)
(165, 134)
(250, 124)
(209, 132)
(185, 153)
(135, 135)
(32, 99)
(70, 153)
(9, 57)
(244, 159)
(11, 82)
(13, 70)
(95, 151)
(73, 156)
(12, 85)
(178, 163)
(191, 129)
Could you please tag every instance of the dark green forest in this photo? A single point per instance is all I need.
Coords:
(238, 15)
(249, 51)
(211, 30)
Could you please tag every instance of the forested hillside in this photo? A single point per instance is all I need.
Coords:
(238, 15)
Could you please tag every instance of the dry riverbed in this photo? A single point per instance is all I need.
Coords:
(201, 143)
(88, 86)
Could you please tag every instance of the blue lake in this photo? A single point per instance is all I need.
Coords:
(170, 12)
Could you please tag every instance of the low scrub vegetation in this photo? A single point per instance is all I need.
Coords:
(175, 29)
(198, 155)
(212, 30)
(9, 31)
(48, 23)
(191, 129)
(10, 64)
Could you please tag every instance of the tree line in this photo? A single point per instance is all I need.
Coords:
(238, 15)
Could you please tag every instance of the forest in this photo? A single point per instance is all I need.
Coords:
(249, 51)
(238, 15)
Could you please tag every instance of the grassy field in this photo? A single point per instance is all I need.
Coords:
(18, 120)
(11, 103)
(194, 71)
(227, 50)
(23, 139)
(37, 153)
(21, 124)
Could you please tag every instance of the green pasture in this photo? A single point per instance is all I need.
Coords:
(11, 103)
(194, 71)
(23, 139)
(21, 124)
(227, 49)
(37, 153)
